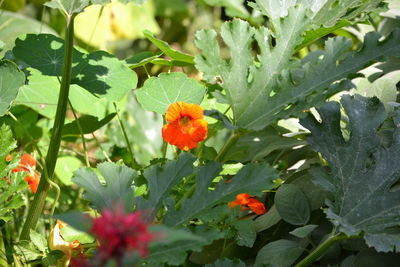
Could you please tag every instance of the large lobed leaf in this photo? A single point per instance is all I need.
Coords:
(161, 178)
(251, 179)
(261, 88)
(361, 170)
(117, 190)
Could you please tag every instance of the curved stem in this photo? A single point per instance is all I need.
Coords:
(134, 163)
(231, 141)
(322, 248)
(81, 134)
(38, 203)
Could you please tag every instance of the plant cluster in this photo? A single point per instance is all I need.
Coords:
(273, 140)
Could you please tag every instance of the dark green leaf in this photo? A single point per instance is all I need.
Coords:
(246, 235)
(52, 258)
(268, 219)
(361, 171)
(251, 179)
(11, 79)
(79, 220)
(161, 178)
(282, 253)
(292, 204)
(159, 92)
(226, 263)
(88, 124)
(168, 50)
(116, 191)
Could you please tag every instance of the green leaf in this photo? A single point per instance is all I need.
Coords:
(167, 49)
(226, 263)
(76, 219)
(44, 52)
(159, 92)
(261, 88)
(70, 234)
(161, 178)
(292, 204)
(100, 73)
(68, 6)
(267, 220)
(257, 145)
(303, 231)
(282, 253)
(38, 240)
(41, 94)
(88, 124)
(141, 59)
(251, 179)
(27, 251)
(13, 25)
(174, 253)
(65, 167)
(105, 76)
(246, 235)
(117, 189)
(361, 170)
(11, 79)
(52, 258)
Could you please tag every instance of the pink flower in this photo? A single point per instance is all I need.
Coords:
(118, 233)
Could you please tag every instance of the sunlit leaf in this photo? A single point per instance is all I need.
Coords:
(11, 79)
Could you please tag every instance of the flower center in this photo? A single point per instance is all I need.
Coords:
(185, 123)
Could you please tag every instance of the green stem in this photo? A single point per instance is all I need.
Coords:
(101, 148)
(231, 141)
(322, 248)
(164, 144)
(134, 163)
(81, 134)
(187, 194)
(38, 203)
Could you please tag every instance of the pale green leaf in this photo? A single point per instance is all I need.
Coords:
(117, 190)
(13, 25)
(70, 234)
(65, 167)
(159, 92)
(38, 240)
(234, 8)
(11, 79)
(226, 263)
(361, 170)
(69, 7)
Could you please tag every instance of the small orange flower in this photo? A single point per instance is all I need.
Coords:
(186, 126)
(246, 201)
(28, 164)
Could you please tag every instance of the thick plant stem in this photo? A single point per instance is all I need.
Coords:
(322, 248)
(38, 203)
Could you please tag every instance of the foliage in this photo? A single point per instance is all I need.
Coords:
(288, 116)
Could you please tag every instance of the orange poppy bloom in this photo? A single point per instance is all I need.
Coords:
(186, 126)
(246, 201)
(28, 164)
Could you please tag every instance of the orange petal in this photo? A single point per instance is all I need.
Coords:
(33, 181)
(233, 204)
(28, 160)
(243, 198)
(257, 207)
(9, 157)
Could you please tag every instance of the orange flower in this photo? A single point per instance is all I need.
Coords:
(246, 201)
(186, 126)
(28, 164)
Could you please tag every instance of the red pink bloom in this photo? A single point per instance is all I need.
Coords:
(186, 126)
(246, 201)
